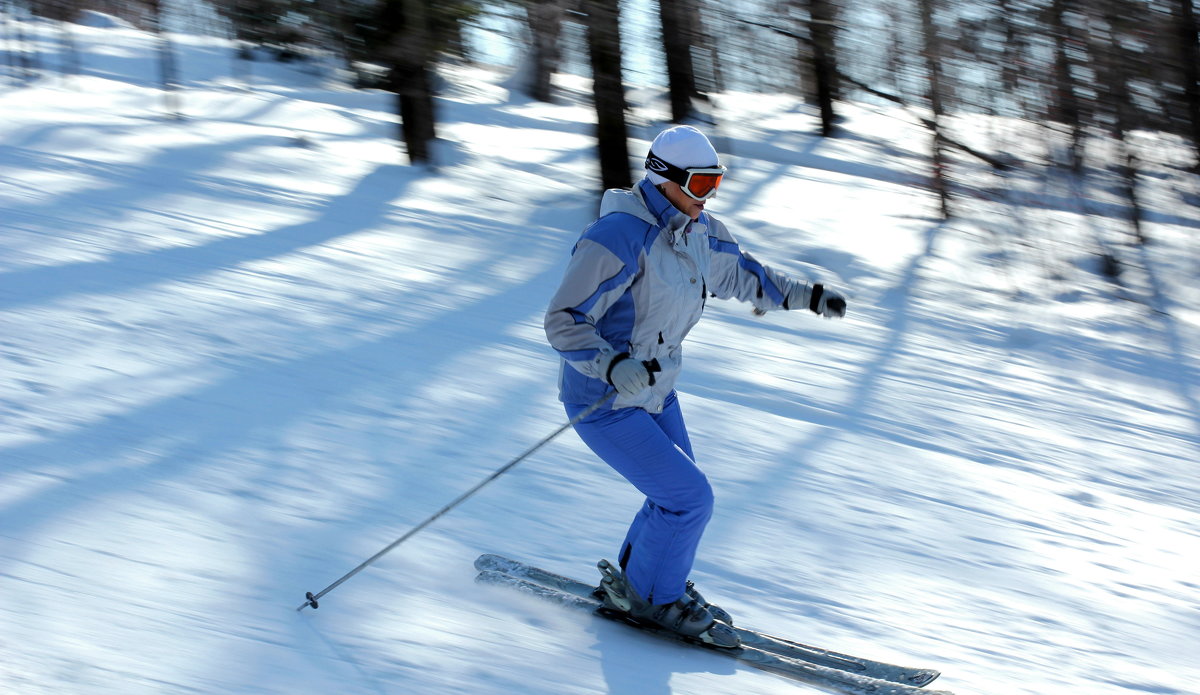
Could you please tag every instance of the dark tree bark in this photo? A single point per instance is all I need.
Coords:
(604, 49)
(680, 30)
(414, 104)
(1189, 48)
(822, 29)
(1116, 67)
(410, 78)
(1065, 107)
(1010, 58)
(933, 65)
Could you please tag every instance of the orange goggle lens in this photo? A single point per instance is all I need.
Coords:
(703, 185)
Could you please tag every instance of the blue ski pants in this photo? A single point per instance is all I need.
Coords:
(652, 451)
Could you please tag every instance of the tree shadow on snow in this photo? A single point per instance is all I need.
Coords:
(367, 204)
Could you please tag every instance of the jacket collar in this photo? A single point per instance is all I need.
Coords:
(669, 218)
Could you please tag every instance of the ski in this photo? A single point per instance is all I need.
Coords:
(827, 669)
(823, 677)
(753, 638)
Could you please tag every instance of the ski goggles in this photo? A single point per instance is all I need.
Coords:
(700, 183)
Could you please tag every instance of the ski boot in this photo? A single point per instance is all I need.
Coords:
(718, 613)
(685, 616)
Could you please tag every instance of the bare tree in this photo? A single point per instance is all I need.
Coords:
(1013, 56)
(680, 32)
(71, 63)
(168, 74)
(1116, 67)
(23, 52)
(1189, 58)
(933, 66)
(410, 58)
(608, 89)
(1065, 105)
(545, 19)
(822, 27)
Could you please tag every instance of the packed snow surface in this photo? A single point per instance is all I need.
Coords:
(243, 350)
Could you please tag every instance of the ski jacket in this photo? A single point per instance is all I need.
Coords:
(637, 283)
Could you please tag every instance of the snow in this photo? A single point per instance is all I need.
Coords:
(100, 20)
(243, 351)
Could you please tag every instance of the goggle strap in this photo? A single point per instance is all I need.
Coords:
(669, 171)
(665, 169)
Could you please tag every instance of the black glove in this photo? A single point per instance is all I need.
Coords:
(826, 302)
(818, 298)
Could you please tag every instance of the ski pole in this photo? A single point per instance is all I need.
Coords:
(312, 598)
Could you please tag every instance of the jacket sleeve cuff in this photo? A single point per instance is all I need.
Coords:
(596, 365)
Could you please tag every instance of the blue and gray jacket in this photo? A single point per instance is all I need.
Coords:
(637, 283)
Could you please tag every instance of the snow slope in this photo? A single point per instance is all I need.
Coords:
(243, 351)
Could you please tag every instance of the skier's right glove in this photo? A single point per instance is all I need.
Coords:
(629, 376)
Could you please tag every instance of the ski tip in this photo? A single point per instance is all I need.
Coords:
(923, 678)
(490, 576)
(491, 561)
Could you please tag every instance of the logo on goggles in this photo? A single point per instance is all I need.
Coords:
(655, 164)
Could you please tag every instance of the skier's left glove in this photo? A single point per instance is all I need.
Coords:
(817, 298)
(629, 376)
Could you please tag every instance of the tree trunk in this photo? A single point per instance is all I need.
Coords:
(679, 33)
(1115, 74)
(70, 51)
(414, 105)
(1189, 47)
(24, 54)
(545, 25)
(604, 49)
(1064, 107)
(168, 74)
(822, 29)
(1010, 61)
(934, 68)
(409, 78)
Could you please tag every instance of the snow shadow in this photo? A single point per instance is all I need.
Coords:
(366, 205)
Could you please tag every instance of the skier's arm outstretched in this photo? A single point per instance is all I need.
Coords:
(738, 275)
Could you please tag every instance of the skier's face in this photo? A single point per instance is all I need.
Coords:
(682, 201)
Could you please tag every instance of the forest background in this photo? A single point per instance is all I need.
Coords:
(1091, 72)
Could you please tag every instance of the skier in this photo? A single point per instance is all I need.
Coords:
(636, 283)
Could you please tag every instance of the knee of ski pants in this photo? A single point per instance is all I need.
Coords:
(648, 457)
(690, 496)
